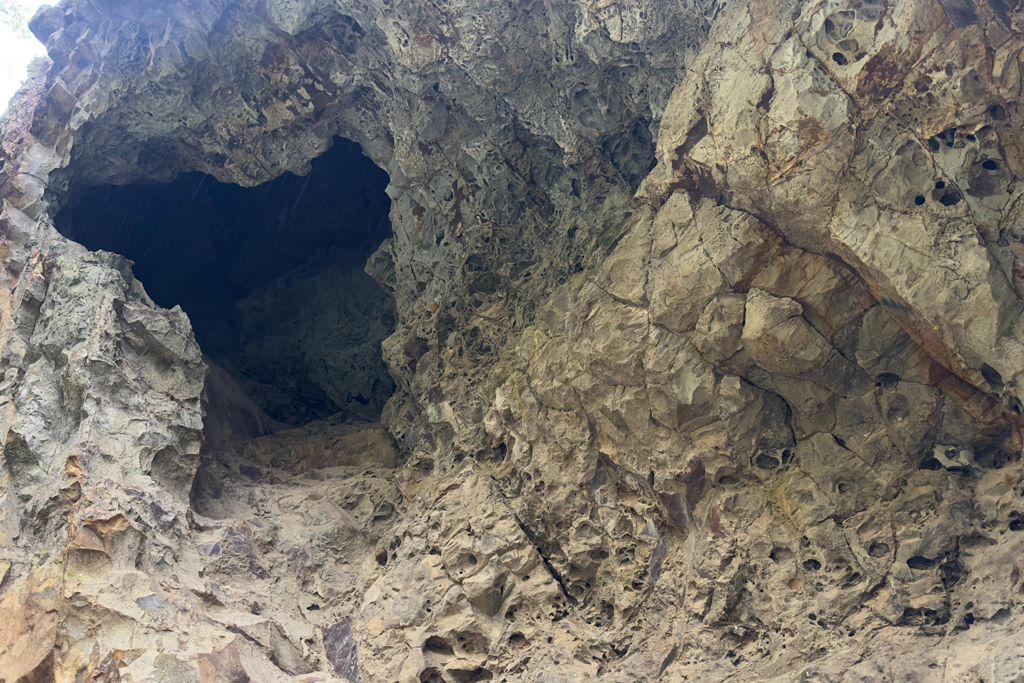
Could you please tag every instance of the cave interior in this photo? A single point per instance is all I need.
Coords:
(270, 276)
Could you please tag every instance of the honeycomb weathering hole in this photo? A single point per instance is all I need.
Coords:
(271, 276)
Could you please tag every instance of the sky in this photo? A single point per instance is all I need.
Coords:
(16, 52)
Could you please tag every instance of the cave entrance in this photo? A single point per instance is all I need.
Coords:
(271, 277)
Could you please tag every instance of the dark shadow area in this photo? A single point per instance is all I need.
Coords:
(271, 276)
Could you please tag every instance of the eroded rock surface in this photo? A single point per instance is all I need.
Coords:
(707, 349)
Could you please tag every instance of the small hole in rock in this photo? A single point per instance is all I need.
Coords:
(997, 112)
(438, 645)
(939, 185)
(950, 199)
(878, 549)
(839, 58)
(919, 199)
(990, 374)
(887, 380)
(989, 165)
(920, 562)
(812, 565)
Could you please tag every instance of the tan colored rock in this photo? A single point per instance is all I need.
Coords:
(751, 414)
(779, 339)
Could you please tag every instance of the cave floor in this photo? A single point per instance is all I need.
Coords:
(281, 526)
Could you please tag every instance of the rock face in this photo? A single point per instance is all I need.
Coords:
(707, 349)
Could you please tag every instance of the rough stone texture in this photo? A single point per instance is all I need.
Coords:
(750, 414)
(324, 353)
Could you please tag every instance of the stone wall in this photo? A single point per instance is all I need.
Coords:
(707, 348)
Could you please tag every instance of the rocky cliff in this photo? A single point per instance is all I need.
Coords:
(706, 346)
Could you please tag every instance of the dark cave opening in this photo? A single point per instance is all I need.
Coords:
(270, 276)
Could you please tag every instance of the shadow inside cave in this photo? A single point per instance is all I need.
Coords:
(271, 278)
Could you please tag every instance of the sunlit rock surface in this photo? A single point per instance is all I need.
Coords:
(707, 345)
